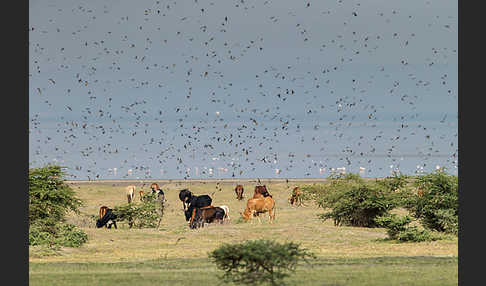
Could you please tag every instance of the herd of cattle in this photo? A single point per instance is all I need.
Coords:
(198, 210)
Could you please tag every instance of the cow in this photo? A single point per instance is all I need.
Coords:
(154, 187)
(261, 191)
(296, 197)
(239, 192)
(208, 214)
(141, 193)
(196, 202)
(254, 207)
(226, 213)
(103, 210)
(130, 192)
(108, 219)
(185, 196)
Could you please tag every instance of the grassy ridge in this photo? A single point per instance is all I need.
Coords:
(177, 255)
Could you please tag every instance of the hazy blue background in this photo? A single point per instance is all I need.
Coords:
(243, 87)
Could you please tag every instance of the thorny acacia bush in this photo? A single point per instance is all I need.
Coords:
(352, 201)
(258, 261)
(144, 214)
(50, 199)
(397, 229)
(436, 205)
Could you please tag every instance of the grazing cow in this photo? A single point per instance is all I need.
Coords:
(108, 219)
(261, 191)
(185, 196)
(254, 207)
(208, 214)
(196, 202)
(103, 210)
(130, 192)
(141, 193)
(239, 192)
(296, 197)
(226, 213)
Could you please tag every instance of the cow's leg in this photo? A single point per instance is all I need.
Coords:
(271, 215)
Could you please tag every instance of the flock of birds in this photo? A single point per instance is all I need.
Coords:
(177, 83)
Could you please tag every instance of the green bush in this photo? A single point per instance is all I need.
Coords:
(62, 234)
(50, 199)
(258, 261)
(436, 207)
(354, 202)
(146, 214)
(398, 229)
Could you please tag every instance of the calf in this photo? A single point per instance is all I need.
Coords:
(108, 219)
(207, 214)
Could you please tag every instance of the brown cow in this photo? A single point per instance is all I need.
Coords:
(254, 207)
(296, 197)
(239, 192)
(261, 191)
(141, 193)
(208, 214)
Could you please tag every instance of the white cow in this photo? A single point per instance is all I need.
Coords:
(226, 212)
(130, 192)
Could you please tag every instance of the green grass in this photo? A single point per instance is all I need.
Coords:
(176, 255)
(339, 271)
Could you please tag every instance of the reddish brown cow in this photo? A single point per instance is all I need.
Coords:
(239, 192)
(296, 197)
(261, 191)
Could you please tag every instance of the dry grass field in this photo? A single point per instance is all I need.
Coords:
(177, 255)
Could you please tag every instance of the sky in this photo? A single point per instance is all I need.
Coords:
(242, 89)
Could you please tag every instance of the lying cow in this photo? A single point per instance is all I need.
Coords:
(254, 207)
(108, 219)
(207, 214)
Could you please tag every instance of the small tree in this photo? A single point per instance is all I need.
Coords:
(352, 201)
(398, 229)
(436, 206)
(258, 261)
(144, 214)
(50, 199)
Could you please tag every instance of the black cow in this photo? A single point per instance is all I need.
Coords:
(185, 196)
(197, 202)
(108, 219)
(207, 215)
